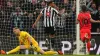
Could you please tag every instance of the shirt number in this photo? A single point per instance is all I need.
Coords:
(84, 21)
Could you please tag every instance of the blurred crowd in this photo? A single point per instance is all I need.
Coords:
(23, 13)
(94, 8)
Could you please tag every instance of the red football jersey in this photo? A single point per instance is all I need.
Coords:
(84, 20)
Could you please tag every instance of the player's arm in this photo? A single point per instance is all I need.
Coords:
(55, 6)
(56, 9)
(28, 38)
(20, 42)
(57, 12)
(94, 21)
(77, 21)
(38, 18)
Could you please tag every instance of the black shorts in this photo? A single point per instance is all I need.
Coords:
(49, 30)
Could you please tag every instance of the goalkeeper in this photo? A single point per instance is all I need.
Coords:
(26, 41)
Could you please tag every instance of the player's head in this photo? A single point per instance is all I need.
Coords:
(16, 30)
(83, 8)
(50, 3)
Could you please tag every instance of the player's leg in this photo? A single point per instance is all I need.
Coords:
(13, 50)
(83, 37)
(50, 37)
(87, 38)
(53, 39)
(38, 49)
(48, 52)
(52, 43)
(18, 48)
(47, 42)
(88, 46)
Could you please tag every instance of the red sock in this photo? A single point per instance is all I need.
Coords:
(88, 46)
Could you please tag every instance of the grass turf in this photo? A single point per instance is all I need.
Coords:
(45, 55)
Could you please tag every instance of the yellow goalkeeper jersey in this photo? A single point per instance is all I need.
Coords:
(23, 39)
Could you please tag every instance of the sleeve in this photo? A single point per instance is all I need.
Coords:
(56, 11)
(28, 35)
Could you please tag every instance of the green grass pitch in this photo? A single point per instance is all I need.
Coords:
(45, 55)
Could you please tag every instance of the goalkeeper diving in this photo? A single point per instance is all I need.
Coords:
(26, 41)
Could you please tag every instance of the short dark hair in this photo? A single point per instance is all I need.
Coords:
(49, 2)
(84, 8)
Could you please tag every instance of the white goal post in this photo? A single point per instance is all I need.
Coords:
(78, 5)
(77, 26)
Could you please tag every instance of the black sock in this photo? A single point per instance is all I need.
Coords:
(52, 42)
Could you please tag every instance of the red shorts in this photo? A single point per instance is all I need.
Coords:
(83, 32)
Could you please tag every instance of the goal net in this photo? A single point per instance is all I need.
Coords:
(23, 13)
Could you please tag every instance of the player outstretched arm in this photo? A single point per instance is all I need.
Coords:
(94, 21)
(38, 18)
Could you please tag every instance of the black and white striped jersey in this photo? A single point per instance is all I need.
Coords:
(49, 14)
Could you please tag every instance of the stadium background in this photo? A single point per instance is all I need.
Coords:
(23, 13)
